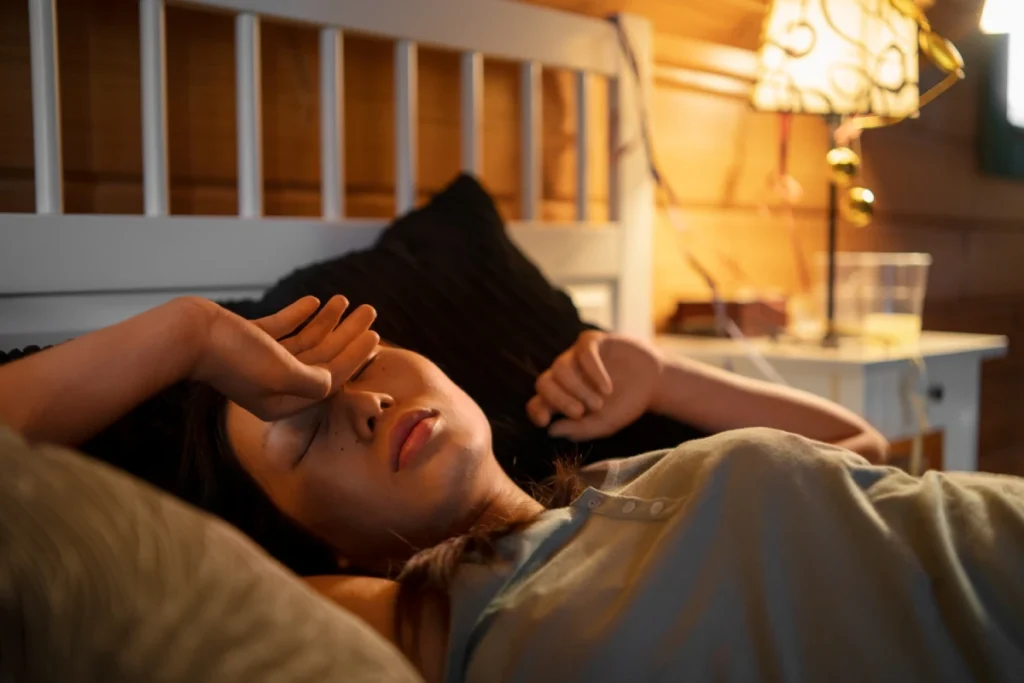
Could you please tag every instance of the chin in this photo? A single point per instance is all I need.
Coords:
(450, 477)
(455, 458)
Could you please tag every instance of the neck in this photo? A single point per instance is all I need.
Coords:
(507, 504)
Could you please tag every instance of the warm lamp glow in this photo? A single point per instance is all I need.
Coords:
(838, 57)
(1003, 16)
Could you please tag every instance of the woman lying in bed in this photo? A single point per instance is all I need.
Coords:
(752, 555)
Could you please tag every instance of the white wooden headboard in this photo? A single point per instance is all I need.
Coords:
(62, 274)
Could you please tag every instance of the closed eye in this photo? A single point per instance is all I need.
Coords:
(363, 368)
(321, 421)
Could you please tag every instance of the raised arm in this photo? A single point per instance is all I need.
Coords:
(71, 392)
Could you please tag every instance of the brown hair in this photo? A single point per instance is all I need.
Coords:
(427, 576)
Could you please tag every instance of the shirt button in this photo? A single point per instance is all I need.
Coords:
(629, 507)
(594, 503)
(657, 507)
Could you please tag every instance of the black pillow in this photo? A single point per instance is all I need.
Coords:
(448, 283)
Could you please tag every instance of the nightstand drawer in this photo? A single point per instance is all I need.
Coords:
(950, 385)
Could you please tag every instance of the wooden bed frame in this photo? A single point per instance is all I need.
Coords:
(62, 275)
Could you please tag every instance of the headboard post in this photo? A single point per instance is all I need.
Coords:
(631, 186)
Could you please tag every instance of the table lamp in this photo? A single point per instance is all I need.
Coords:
(848, 58)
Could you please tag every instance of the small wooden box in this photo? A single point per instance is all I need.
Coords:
(754, 318)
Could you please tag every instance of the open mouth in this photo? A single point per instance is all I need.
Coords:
(409, 434)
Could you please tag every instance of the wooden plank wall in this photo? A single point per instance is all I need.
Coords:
(718, 154)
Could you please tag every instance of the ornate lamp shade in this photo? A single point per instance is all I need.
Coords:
(842, 57)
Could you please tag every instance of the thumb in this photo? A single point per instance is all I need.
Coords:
(586, 428)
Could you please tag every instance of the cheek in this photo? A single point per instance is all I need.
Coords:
(337, 491)
(357, 507)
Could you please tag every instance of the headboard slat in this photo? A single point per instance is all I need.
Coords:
(250, 120)
(46, 106)
(406, 122)
(582, 158)
(531, 137)
(472, 99)
(332, 124)
(153, 59)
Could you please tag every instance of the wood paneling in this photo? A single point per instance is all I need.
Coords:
(15, 104)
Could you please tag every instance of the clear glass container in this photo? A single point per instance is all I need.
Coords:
(879, 296)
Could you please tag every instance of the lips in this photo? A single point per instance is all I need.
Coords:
(405, 437)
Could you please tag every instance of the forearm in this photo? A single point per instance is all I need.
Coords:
(715, 400)
(70, 392)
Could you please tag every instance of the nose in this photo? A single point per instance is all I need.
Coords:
(365, 410)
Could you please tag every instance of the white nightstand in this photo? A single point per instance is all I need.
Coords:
(869, 380)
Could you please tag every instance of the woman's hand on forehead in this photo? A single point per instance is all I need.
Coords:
(273, 375)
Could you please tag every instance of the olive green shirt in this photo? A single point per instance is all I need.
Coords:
(754, 556)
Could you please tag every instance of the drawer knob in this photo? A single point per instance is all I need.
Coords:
(936, 393)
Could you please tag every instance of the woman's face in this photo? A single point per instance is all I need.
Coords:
(396, 461)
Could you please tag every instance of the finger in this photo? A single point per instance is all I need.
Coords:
(332, 377)
(539, 411)
(288, 318)
(318, 328)
(583, 429)
(338, 372)
(351, 327)
(352, 357)
(557, 397)
(569, 378)
(588, 357)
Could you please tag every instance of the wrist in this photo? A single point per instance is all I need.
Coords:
(191, 319)
(666, 397)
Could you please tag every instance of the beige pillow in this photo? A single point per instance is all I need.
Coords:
(104, 578)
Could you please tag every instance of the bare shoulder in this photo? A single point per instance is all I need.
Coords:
(375, 601)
